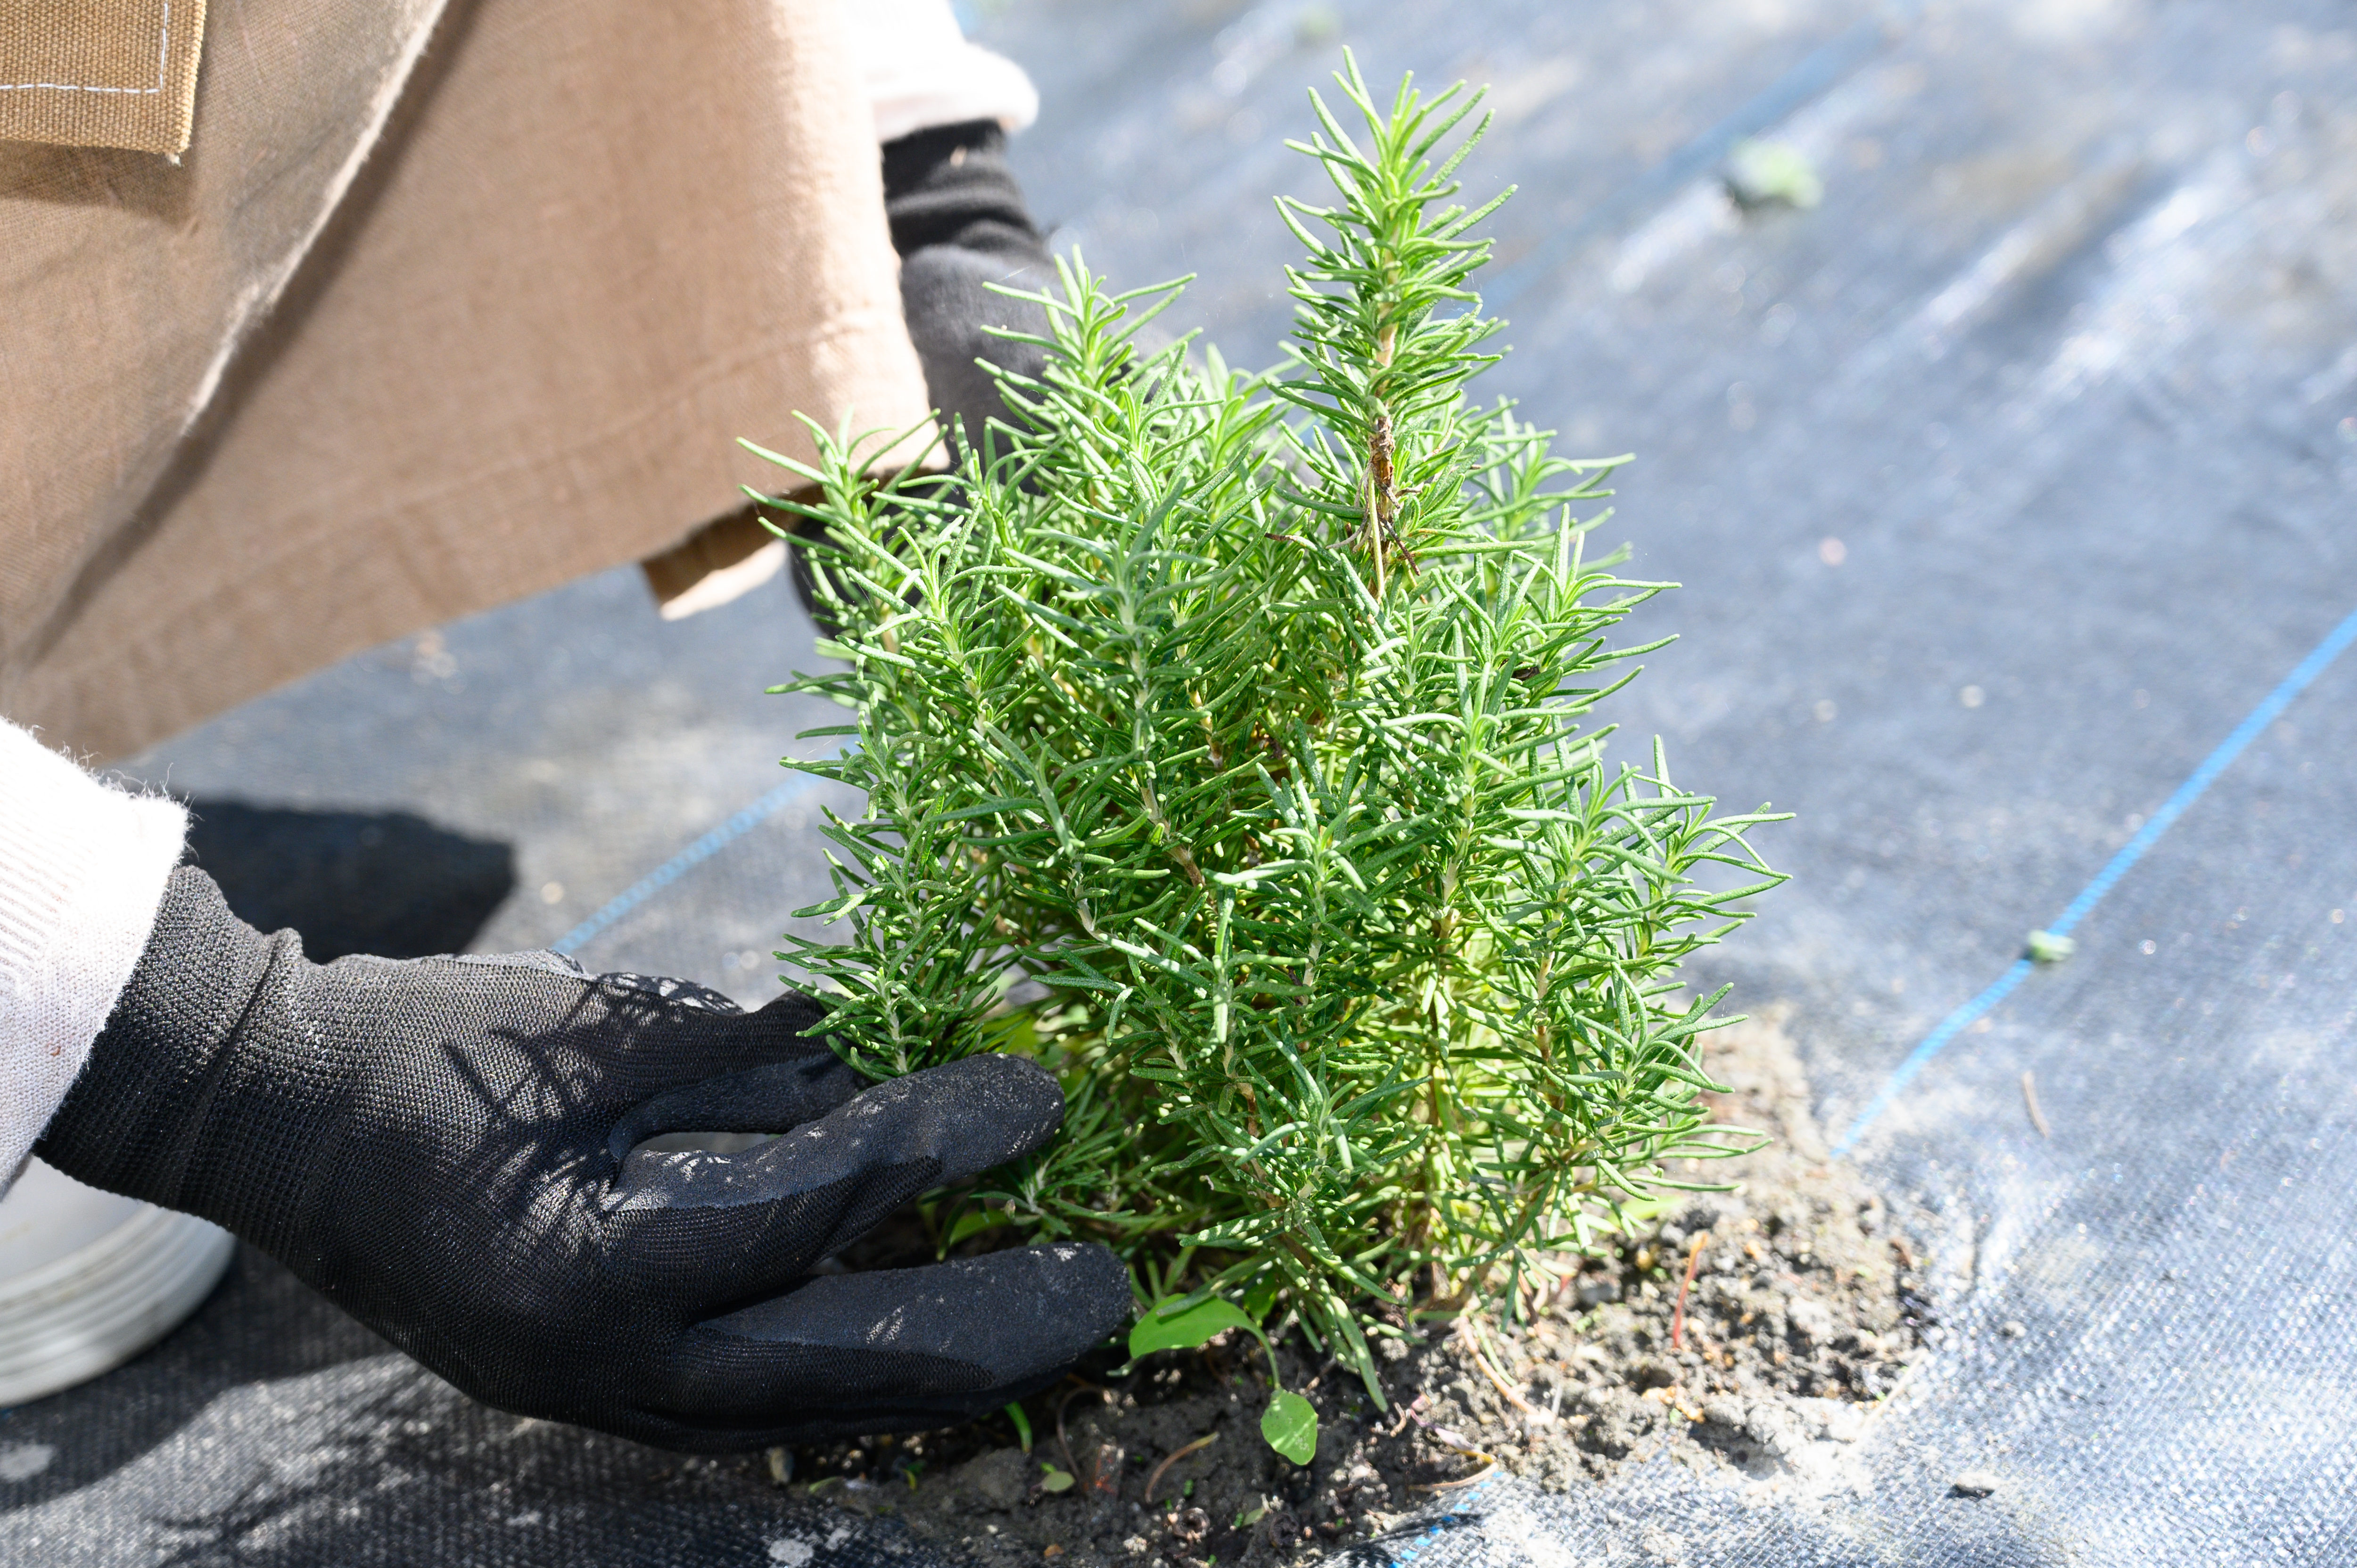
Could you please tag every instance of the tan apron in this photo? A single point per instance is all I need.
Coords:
(442, 306)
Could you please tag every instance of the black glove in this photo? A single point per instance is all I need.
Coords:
(959, 223)
(447, 1149)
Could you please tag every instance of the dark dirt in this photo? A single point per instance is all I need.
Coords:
(1803, 1309)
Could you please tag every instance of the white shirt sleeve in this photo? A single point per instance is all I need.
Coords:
(82, 868)
(922, 72)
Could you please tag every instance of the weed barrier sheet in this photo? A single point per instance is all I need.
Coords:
(2012, 488)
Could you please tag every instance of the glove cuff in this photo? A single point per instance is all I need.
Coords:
(951, 186)
(145, 1117)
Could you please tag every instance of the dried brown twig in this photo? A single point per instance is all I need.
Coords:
(1062, 1446)
(2030, 1099)
(1173, 1457)
(1465, 1332)
(1678, 1318)
(1462, 1445)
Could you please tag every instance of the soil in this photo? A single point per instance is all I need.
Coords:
(1803, 1307)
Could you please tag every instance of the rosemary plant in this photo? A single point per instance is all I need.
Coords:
(1224, 743)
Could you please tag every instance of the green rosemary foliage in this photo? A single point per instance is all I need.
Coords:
(1223, 741)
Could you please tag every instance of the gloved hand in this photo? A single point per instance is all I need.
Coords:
(959, 223)
(447, 1149)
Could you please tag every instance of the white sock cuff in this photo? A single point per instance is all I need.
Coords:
(82, 868)
(920, 71)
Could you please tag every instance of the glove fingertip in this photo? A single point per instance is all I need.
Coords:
(1094, 1287)
(794, 1013)
(1011, 1105)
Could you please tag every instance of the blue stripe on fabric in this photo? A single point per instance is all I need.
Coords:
(2271, 708)
(1410, 1554)
(686, 861)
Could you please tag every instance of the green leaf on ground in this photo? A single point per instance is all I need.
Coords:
(1290, 1424)
(1185, 1329)
(972, 1220)
(1055, 1480)
(2045, 947)
(1760, 173)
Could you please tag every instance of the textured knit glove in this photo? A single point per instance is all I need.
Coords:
(959, 223)
(449, 1149)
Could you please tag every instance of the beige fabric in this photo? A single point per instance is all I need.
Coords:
(918, 71)
(590, 246)
(726, 558)
(99, 73)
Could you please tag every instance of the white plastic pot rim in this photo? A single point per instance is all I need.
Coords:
(98, 1306)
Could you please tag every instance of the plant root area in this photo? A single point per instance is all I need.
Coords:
(1802, 1308)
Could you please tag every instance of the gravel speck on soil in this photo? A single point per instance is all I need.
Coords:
(1974, 1484)
(1803, 1308)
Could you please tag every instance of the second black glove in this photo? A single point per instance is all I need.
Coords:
(453, 1151)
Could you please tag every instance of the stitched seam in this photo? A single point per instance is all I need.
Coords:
(163, 63)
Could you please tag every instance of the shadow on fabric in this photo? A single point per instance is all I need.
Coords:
(385, 883)
(261, 1324)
